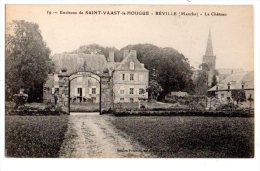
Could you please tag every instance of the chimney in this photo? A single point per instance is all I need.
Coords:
(111, 57)
(126, 53)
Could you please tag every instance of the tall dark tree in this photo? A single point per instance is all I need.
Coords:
(214, 81)
(201, 87)
(27, 60)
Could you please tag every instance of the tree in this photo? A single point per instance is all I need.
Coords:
(238, 95)
(201, 87)
(27, 60)
(167, 66)
(154, 89)
(97, 49)
(214, 80)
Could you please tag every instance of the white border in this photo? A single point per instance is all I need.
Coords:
(131, 164)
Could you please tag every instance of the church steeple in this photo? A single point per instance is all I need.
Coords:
(209, 59)
(209, 49)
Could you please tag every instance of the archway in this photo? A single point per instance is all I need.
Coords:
(82, 89)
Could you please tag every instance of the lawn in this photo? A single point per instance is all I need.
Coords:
(34, 136)
(84, 107)
(189, 137)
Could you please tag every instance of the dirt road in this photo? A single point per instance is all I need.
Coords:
(95, 137)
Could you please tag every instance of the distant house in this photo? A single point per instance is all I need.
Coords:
(237, 81)
(129, 77)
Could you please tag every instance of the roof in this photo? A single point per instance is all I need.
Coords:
(74, 62)
(209, 48)
(131, 57)
(236, 80)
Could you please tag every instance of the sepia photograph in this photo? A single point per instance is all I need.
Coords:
(129, 81)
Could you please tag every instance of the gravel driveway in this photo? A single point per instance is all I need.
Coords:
(96, 137)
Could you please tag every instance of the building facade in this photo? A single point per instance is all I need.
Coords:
(129, 78)
(237, 81)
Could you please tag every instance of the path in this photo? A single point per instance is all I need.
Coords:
(96, 137)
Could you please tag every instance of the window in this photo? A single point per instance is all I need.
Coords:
(131, 91)
(122, 99)
(93, 90)
(123, 76)
(131, 100)
(132, 65)
(222, 95)
(122, 91)
(79, 91)
(131, 77)
(141, 91)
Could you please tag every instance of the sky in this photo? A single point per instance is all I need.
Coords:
(232, 35)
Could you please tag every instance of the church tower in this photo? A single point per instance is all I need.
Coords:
(209, 60)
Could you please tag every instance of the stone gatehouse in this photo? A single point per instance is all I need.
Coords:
(92, 78)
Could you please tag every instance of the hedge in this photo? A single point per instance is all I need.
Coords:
(237, 113)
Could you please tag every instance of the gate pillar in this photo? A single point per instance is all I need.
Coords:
(106, 93)
(63, 96)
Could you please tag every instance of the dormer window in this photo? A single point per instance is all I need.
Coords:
(132, 65)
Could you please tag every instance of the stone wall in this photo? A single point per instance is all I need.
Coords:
(47, 90)
(63, 97)
(106, 93)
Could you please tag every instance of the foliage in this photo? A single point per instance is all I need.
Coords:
(228, 106)
(238, 95)
(214, 80)
(27, 59)
(201, 87)
(166, 65)
(154, 89)
(20, 99)
(97, 49)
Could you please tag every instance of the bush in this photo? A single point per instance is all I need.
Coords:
(20, 99)
(228, 107)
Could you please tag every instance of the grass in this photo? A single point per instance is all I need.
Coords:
(34, 136)
(84, 107)
(189, 137)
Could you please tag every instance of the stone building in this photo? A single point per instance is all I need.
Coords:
(237, 81)
(126, 80)
(130, 79)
